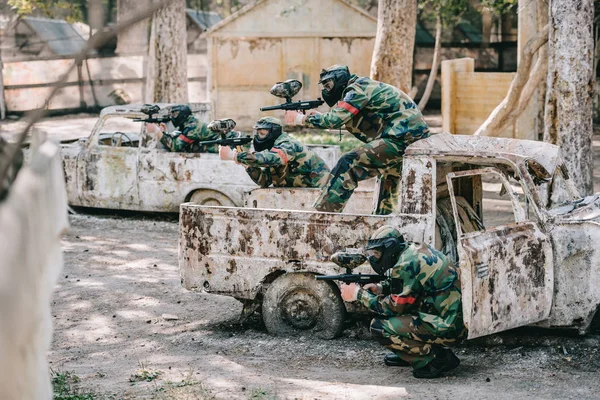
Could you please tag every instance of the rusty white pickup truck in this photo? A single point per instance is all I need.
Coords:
(120, 166)
(504, 209)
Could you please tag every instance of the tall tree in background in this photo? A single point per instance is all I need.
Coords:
(446, 13)
(394, 44)
(166, 80)
(568, 119)
(528, 78)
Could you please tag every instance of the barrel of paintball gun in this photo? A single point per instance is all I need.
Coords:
(361, 279)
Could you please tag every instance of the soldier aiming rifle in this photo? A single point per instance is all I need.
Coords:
(418, 303)
(386, 119)
(276, 159)
(190, 134)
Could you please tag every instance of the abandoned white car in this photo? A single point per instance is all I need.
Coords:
(504, 209)
(120, 166)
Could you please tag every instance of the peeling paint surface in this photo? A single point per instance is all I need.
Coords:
(542, 269)
(264, 241)
(147, 177)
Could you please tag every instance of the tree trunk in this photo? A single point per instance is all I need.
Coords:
(394, 44)
(570, 87)
(166, 80)
(487, 22)
(521, 88)
(541, 20)
(134, 40)
(435, 64)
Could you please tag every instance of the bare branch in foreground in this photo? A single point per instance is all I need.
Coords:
(96, 40)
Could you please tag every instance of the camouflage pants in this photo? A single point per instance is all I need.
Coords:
(406, 336)
(380, 158)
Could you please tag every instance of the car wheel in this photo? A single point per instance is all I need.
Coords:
(211, 198)
(297, 304)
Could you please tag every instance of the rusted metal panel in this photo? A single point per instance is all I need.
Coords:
(507, 278)
(542, 269)
(506, 272)
(253, 243)
(362, 200)
(577, 274)
(146, 178)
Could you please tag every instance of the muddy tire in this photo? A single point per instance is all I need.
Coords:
(297, 304)
(208, 197)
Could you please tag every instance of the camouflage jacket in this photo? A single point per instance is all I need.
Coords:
(287, 164)
(192, 133)
(423, 283)
(371, 110)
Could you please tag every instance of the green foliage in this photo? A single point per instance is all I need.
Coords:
(347, 143)
(451, 11)
(147, 375)
(49, 8)
(64, 387)
(261, 394)
(500, 6)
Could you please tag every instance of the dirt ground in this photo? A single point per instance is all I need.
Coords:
(124, 325)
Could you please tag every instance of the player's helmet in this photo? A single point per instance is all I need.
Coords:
(333, 81)
(179, 114)
(390, 243)
(275, 129)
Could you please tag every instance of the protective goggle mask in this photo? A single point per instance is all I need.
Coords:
(326, 85)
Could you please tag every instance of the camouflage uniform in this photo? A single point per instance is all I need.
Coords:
(287, 164)
(384, 118)
(420, 306)
(192, 133)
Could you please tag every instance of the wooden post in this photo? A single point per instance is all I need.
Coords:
(449, 69)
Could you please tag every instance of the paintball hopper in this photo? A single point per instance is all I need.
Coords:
(150, 109)
(221, 126)
(286, 89)
(348, 260)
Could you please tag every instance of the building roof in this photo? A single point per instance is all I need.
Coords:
(59, 35)
(204, 19)
(255, 3)
(422, 36)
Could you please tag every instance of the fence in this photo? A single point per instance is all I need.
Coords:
(97, 82)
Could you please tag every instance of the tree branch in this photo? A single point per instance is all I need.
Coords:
(499, 118)
(95, 41)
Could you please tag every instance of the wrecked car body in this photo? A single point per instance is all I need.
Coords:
(120, 166)
(503, 209)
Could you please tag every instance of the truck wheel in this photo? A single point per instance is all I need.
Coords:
(297, 304)
(207, 197)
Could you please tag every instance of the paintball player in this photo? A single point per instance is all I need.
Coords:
(278, 159)
(386, 119)
(189, 131)
(419, 304)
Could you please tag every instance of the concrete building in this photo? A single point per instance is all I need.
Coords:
(270, 41)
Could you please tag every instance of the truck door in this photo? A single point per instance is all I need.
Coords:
(506, 268)
(108, 167)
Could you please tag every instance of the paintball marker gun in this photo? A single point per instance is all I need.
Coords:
(223, 127)
(287, 90)
(349, 260)
(150, 110)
